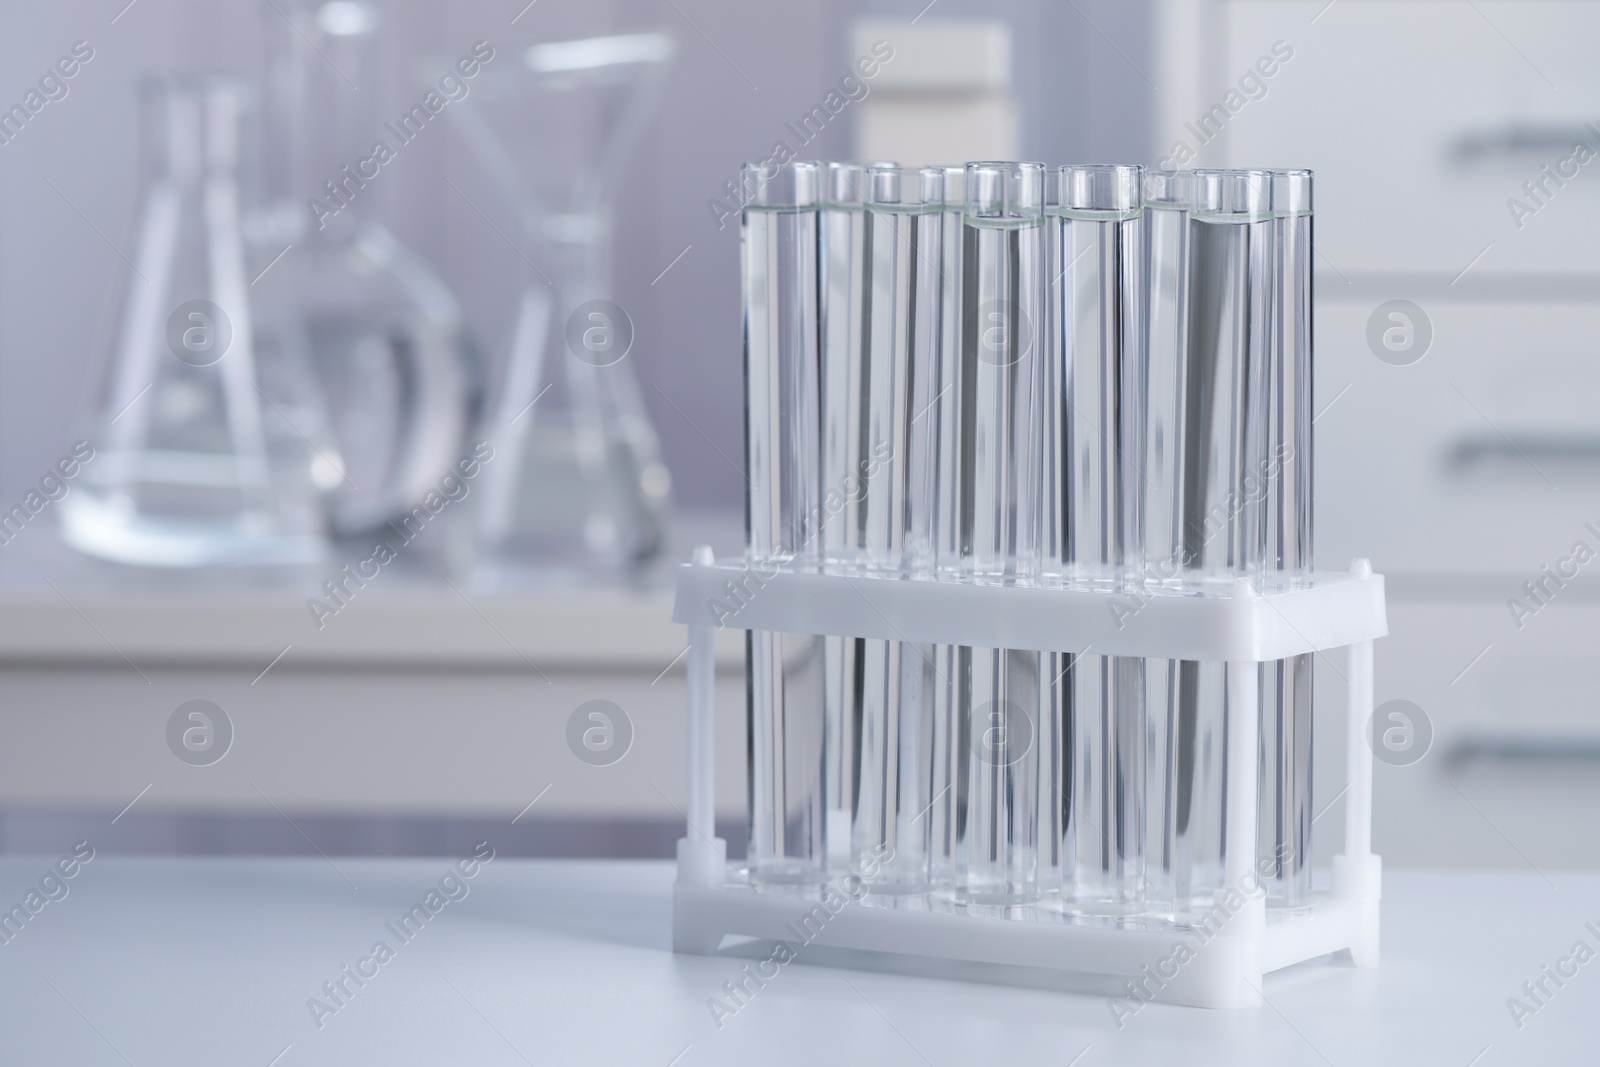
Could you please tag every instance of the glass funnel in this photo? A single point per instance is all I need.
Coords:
(210, 451)
(337, 291)
(578, 486)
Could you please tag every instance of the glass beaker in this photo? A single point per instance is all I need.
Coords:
(578, 486)
(211, 453)
(335, 289)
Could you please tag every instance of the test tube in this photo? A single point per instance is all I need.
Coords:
(1220, 471)
(843, 452)
(901, 321)
(1284, 834)
(951, 663)
(1168, 199)
(779, 247)
(1002, 353)
(892, 835)
(1093, 477)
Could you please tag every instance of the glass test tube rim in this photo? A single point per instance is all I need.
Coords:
(1098, 192)
(802, 192)
(1289, 185)
(1241, 194)
(895, 187)
(955, 185)
(1169, 190)
(1004, 193)
(1291, 188)
(845, 186)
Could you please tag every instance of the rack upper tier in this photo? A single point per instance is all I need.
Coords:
(1225, 622)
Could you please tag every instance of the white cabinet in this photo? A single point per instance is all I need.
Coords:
(1465, 474)
(1422, 119)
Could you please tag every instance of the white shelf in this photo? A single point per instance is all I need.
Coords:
(433, 626)
(58, 607)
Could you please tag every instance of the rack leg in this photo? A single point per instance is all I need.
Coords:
(701, 854)
(1357, 874)
(1242, 889)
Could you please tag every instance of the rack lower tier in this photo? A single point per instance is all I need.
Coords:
(1219, 963)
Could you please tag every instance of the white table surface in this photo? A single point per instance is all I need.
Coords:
(189, 961)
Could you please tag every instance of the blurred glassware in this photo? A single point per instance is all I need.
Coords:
(209, 452)
(578, 486)
(337, 291)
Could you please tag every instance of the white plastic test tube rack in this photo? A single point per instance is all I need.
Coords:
(1241, 626)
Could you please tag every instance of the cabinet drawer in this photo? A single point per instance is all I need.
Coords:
(1483, 457)
(1422, 120)
(1510, 777)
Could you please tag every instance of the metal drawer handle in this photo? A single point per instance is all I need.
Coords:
(1518, 139)
(1474, 449)
(1491, 750)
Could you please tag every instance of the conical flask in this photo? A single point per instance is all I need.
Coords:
(577, 486)
(207, 452)
(385, 338)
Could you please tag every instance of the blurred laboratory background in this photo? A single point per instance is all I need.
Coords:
(484, 257)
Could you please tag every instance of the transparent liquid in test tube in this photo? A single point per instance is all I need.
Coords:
(1210, 322)
(1167, 205)
(950, 665)
(1283, 839)
(1094, 720)
(844, 452)
(1002, 350)
(788, 843)
(892, 832)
